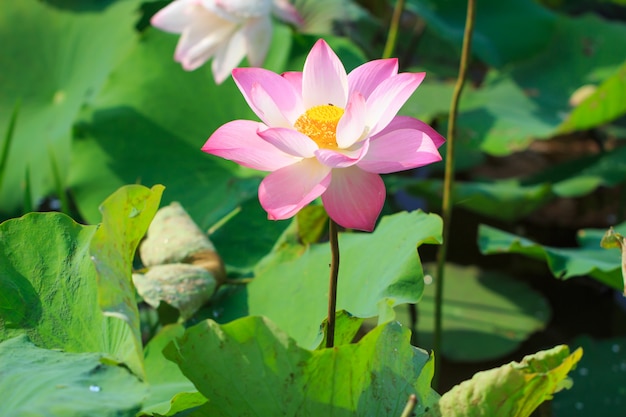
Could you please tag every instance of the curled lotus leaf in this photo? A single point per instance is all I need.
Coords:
(512, 390)
(612, 240)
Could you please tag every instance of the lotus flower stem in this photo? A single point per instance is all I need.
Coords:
(390, 45)
(334, 275)
(446, 208)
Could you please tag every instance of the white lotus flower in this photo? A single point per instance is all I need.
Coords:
(225, 30)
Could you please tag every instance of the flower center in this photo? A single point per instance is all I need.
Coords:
(320, 124)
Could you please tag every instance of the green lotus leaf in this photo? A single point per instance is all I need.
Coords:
(485, 314)
(41, 382)
(377, 272)
(512, 390)
(250, 368)
(564, 263)
(49, 67)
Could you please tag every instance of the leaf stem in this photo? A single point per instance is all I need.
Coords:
(392, 36)
(58, 183)
(28, 204)
(410, 406)
(446, 209)
(8, 138)
(334, 275)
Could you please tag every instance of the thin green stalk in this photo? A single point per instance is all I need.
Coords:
(392, 36)
(334, 275)
(221, 222)
(446, 209)
(58, 183)
(28, 199)
(8, 138)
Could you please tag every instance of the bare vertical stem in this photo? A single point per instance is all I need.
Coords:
(410, 406)
(334, 275)
(392, 36)
(446, 209)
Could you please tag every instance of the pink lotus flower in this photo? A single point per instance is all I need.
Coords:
(226, 30)
(327, 133)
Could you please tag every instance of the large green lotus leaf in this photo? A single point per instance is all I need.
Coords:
(606, 103)
(530, 100)
(489, 118)
(126, 215)
(501, 117)
(47, 383)
(377, 271)
(590, 259)
(53, 61)
(251, 368)
(512, 390)
(591, 49)
(528, 97)
(18, 300)
(47, 260)
(165, 377)
(506, 200)
(46, 257)
(599, 381)
(486, 315)
(581, 176)
(499, 26)
(509, 200)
